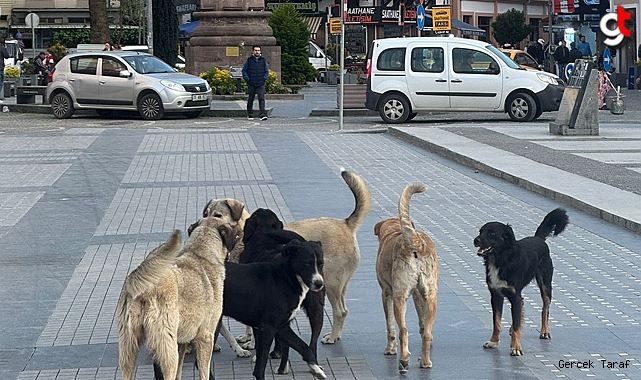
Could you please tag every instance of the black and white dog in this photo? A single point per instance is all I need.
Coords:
(510, 265)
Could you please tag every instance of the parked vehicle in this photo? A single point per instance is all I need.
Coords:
(411, 75)
(523, 59)
(124, 80)
(318, 58)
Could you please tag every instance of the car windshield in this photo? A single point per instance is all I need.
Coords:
(148, 64)
(510, 63)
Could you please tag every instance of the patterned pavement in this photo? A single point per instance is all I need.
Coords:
(80, 208)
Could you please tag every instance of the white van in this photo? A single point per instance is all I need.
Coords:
(411, 75)
(318, 58)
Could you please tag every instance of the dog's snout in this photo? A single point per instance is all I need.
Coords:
(317, 283)
(477, 241)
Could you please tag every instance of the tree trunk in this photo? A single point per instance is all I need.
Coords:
(99, 33)
(165, 31)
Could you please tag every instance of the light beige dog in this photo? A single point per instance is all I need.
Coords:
(340, 249)
(232, 212)
(406, 264)
(174, 299)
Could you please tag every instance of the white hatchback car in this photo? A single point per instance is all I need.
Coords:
(124, 80)
(407, 76)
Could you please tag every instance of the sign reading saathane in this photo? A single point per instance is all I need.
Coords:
(441, 20)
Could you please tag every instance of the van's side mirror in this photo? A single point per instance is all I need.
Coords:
(319, 54)
(494, 68)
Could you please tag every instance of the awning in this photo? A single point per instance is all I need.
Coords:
(313, 23)
(188, 27)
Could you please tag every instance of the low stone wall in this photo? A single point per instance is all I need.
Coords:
(354, 96)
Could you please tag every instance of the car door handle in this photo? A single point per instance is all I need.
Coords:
(441, 80)
(102, 82)
(456, 81)
(72, 80)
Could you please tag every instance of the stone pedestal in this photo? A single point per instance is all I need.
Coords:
(227, 28)
(579, 111)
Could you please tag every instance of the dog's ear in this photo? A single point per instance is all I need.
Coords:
(291, 249)
(192, 227)
(235, 207)
(377, 228)
(228, 235)
(508, 234)
(206, 209)
(250, 229)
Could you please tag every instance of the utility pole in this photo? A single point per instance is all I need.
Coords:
(150, 26)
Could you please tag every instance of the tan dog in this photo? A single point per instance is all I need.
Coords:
(340, 248)
(406, 264)
(174, 299)
(232, 212)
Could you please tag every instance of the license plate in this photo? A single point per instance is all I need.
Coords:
(198, 97)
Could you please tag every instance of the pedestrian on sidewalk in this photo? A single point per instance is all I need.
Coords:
(4, 54)
(255, 72)
(561, 58)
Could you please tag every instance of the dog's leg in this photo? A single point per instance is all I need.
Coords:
(544, 282)
(264, 337)
(425, 303)
(314, 305)
(336, 296)
(166, 354)
(248, 339)
(182, 350)
(517, 322)
(204, 343)
(388, 307)
(289, 337)
(497, 314)
(400, 308)
(233, 343)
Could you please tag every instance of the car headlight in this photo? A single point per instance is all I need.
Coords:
(172, 85)
(547, 79)
(207, 86)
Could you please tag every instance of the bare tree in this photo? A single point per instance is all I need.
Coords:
(99, 23)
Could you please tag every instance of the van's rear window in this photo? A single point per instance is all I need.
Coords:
(391, 60)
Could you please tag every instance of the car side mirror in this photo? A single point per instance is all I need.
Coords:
(319, 54)
(125, 74)
(540, 67)
(494, 68)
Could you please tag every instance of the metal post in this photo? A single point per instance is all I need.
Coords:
(342, 75)
(150, 26)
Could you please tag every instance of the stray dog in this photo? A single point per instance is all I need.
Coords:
(267, 296)
(340, 249)
(510, 265)
(264, 240)
(232, 212)
(175, 299)
(406, 264)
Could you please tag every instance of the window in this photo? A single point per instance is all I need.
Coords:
(112, 67)
(391, 60)
(467, 61)
(84, 65)
(525, 60)
(429, 60)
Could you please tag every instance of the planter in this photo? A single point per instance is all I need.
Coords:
(332, 77)
(354, 96)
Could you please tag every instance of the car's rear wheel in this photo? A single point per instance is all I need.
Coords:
(62, 106)
(521, 107)
(395, 109)
(150, 107)
(193, 114)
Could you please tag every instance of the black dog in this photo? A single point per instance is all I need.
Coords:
(267, 295)
(510, 265)
(264, 239)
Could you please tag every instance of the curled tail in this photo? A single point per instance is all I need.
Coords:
(156, 266)
(554, 222)
(361, 196)
(407, 228)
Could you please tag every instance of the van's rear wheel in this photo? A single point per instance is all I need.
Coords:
(521, 107)
(395, 109)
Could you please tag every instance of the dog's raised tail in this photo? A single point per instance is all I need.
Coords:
(407, 228)
(361, 196)
(156, 266)
(554, 222)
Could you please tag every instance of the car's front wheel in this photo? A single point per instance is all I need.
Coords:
(150, 107)
(521, 107)
(62, 106)
(395, 109)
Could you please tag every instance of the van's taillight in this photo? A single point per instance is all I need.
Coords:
(369, 67)
(51, 75)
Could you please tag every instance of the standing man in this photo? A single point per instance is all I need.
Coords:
(584, 47)
(4, 54)
(255, 72)
(561, 58)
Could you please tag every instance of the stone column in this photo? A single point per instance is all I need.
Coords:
(226, 25)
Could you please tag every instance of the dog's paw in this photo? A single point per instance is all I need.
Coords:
(243, 353)
(249, 345)
(217, 348)
(275, 355)
(516, 351)
(283, 371)
(329, 339)
(317, 371)
(490, 344)
(390, 351)
(545, 335)
(403, 366)
(243, 338)
(427, 363)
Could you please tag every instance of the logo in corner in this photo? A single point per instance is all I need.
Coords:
(616, 35)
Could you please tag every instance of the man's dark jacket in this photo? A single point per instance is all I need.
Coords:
(255, 71)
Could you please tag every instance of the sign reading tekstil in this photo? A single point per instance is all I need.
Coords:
(441, 20)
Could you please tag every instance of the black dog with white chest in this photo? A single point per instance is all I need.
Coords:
(510, 265)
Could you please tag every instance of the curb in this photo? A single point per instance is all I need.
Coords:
(346, 112)
(618, 220)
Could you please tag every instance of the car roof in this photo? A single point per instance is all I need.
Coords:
(409, 40)
(118, 53)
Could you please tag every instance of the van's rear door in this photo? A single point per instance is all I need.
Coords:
(427, 75)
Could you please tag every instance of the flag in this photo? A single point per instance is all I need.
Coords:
(564, 6)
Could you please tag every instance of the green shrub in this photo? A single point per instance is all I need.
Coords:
(27, 67)
(58, 51)
(220, 82)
